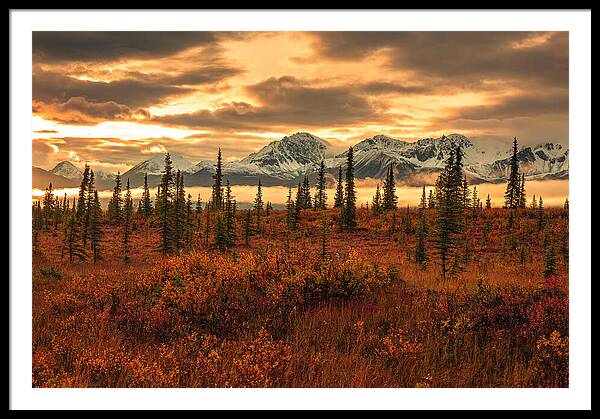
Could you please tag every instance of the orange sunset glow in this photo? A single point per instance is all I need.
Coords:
(113, 98)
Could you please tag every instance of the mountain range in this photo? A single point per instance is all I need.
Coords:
(286, 161)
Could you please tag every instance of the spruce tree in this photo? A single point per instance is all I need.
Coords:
(72, 239)
(420, 251)
(566, 205)
(127, 220)
(164, 206)
(248, 230)
(146, 201)
(306, 198)
(338, 199)
(83, 190)
(534, 202)
(423, 203)
(324, 237)
(85, 222)
(299, 197)
(376, 207)
(549, 261)
(217, 189)
(488, 202)
(198, 213)
(349, 209)
(475, 204)
(290, 211)
(179, 213)
(298, 206)
(321, 194)
(230, 216)
(48, 206)
(258, 202)
(221, 238)
(449, 202)
(431, 200)
(513, 188)
(522, 195)
(115, 205)
(95, 229)
(206, 227)
(390, 200)
(466, 194)
(540, 214)
(189, 221)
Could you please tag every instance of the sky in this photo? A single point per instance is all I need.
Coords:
(113, 99)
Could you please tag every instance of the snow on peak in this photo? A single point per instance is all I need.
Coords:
(156, 164)
(68, 170)
(292, 154)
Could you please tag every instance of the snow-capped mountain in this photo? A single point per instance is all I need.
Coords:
(68, 170)
(290, 156)
(156, 164)
(373, 156)
(539, 161)
(285, 161)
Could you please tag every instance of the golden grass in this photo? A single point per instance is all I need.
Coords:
(275, 315)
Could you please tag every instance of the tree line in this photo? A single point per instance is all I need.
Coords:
(184, 224)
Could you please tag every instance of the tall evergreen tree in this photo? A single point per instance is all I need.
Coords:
(290, 207)
(488, 202)
(48, 206)
(338, 199)
(324, 237)
(83, 190)
(189, 221)
(221, 238)
(466, 193)
(513, 188)
(450, 201)
(306, 198)
(566, 205)
(72, 239)
(85, 222)
(127, 219)
(475, 202)
(164, 206)
(349, 209)
(423, 203)
(549, 260)
(390, 200)
(258, 202)
(115, 205)
(146, 201)
(376, 206)
(540, 214)
(179, 213)
(198, 213)
(217, 189)
(230, 216)
(534, 202)
(95, 229)
(431, 200)
(321, 194)
(420, 251)
(248, 230)
(522, 195)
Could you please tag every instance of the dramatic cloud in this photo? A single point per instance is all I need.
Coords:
(284, 102)
(518, 106)
(115, 98)
(106, 46)
(78, 110)
(462, 56)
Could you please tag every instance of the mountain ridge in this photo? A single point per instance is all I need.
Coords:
(286, 161)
